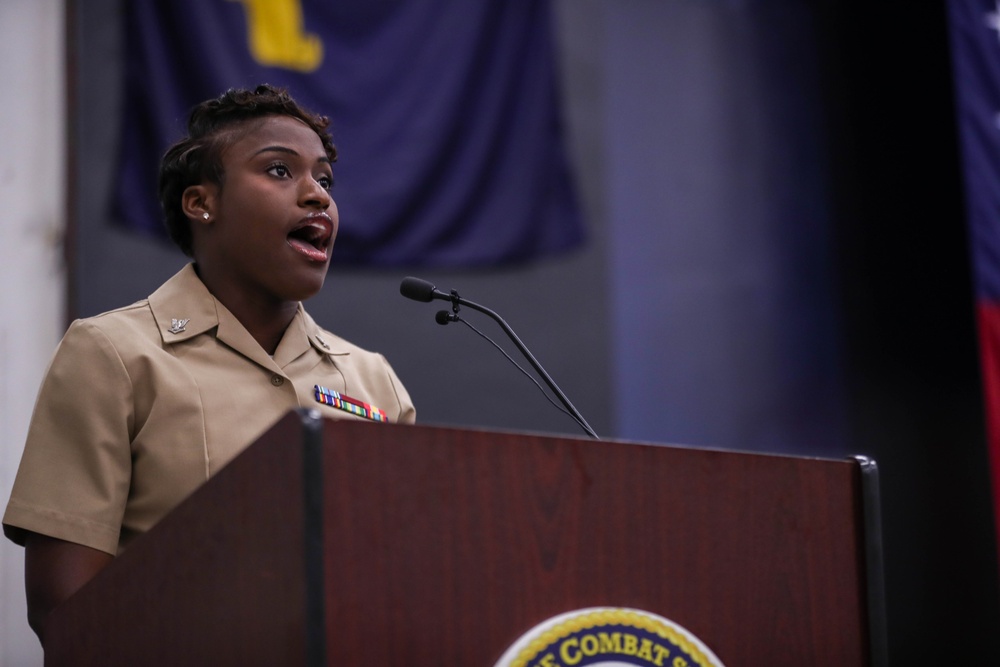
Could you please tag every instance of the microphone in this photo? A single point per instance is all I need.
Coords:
(421, 290)
(444, 317)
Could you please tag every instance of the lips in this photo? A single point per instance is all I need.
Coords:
(313, 236)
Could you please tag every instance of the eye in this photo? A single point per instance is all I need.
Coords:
(279, 169)
(326, 182)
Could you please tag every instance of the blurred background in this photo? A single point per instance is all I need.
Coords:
(775, 259)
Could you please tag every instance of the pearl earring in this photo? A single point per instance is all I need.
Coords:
(205, 215)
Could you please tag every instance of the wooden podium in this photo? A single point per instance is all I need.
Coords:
(348, 543)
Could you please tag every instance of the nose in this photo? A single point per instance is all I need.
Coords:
(314, 195)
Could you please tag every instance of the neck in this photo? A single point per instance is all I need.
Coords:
(266, 319)
(267, 328)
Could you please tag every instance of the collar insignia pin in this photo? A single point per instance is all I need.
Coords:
(177, 326)
(322, 342)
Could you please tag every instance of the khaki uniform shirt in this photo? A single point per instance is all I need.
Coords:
(141, 405)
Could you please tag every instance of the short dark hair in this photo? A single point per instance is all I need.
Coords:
(197, 158)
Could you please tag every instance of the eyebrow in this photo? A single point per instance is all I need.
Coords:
(286, 149)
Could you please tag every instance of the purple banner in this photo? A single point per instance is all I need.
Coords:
(445, 116)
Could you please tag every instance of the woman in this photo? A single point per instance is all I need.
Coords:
(142, 404)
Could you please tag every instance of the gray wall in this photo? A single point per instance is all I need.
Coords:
(726, 330)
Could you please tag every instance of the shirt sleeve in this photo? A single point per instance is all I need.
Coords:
(73, 480)
(407, 412)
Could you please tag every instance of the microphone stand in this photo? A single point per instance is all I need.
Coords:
(430, 292)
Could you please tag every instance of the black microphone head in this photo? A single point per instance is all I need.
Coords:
(417, 289)
(444, 317)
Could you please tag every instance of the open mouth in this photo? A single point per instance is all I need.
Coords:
(313, 237)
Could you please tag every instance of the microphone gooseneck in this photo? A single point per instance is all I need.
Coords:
(421, 290)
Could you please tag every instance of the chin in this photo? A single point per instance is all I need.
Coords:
(311, 291)
(306, 285)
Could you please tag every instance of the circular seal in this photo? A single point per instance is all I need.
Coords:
(608, 637)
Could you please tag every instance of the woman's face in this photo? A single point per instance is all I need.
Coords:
(272, 223)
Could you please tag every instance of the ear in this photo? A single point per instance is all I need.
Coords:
(197, 200)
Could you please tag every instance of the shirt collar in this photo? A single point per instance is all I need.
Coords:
(184, 308)
(303, 333)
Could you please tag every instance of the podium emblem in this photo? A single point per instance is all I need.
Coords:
(608, 637)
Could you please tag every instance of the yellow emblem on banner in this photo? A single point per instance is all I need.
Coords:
(275, 32)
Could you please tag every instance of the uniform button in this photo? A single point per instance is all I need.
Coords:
(277, 380)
